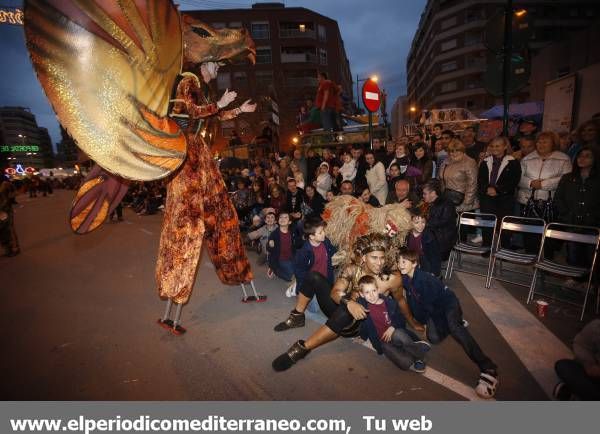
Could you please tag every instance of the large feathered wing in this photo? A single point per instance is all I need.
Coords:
(108, 68)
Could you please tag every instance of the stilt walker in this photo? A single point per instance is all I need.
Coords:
(115, 104)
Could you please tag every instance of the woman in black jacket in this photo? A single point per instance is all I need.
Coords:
(497, 180)
(577, 202)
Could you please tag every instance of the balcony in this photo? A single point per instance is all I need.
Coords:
(301, 82)
(296, 33)
(298, 58)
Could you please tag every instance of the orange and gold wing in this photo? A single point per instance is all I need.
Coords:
(108, 68)
(98, 196)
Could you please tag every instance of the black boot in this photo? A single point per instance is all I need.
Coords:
(296, 319)
(286, 360)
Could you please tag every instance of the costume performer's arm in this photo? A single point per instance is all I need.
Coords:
(226, 115)
(246, 107)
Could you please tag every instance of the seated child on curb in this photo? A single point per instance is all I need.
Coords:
(281, 249)
(315, 254)
(262, 235)
(385, 327)
(424, 243)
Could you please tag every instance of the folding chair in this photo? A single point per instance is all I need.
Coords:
(522, 225)
(572, 233)
(474, 220)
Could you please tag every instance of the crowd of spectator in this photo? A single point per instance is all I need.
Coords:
(433, 179)
(280, 198)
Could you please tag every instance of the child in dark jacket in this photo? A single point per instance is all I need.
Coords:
(316, 252)
(435, 305)
(281, 249)
(385, 328)
(312, 267)
(424, 243)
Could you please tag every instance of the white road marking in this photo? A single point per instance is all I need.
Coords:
(146, 231)
(431, 374)
(531, 341)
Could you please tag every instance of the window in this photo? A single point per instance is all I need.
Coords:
(260, 30)
(477, 61)
(227, 128)
(218, 25)
(448, 66)
(473, 83)
(322, 32)
(449, 86)
(301, 78)
(240, 79)
(264, 79)
(224, 80)
(296, 29)
(447, 23)
(472, 38)
(448, 45)
(473, 15)
(263, 55)
(322, 56)
(235, 25)
(470, 104)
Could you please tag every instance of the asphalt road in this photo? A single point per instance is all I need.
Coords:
(79, 319)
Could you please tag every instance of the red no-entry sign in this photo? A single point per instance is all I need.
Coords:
(371, 95)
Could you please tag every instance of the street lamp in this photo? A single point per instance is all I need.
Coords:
(413, 110)
(360, 80)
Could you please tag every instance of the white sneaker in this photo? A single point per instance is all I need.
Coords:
(291, 290)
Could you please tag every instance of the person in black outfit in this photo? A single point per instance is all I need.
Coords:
(314, 204)
(361, 164)
(294, 200)
(498, 178)
(577, 201)
(441, 220)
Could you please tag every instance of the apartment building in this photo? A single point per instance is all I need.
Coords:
(22, 140)
(293, 44)
(448, 58)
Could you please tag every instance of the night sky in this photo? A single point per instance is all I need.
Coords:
(377, 36)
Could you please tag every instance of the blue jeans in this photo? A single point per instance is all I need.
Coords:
(454, 322)
(402, 350)
(284, 270)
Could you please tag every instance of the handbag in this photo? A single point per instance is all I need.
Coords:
(540, 208)
(454, 197)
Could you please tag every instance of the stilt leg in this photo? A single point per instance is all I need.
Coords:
(165, 322)
(245, 298)
(259, 297)
(177, 329)
(256, 297)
